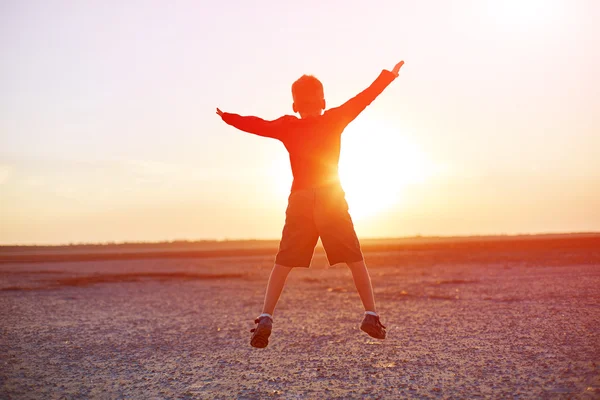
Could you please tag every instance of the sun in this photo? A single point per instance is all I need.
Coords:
(377, 163)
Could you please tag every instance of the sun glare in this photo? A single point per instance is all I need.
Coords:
(376, 164)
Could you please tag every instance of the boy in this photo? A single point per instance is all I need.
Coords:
(316, 206)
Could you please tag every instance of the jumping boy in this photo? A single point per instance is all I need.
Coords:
(316, 206)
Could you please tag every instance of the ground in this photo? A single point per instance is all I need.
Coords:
(480, 319)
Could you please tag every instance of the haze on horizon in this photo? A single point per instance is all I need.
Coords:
(108, 130)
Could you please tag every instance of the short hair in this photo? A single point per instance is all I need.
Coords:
(308, 92)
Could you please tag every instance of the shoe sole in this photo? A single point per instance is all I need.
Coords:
(260, 339)
(372, 331)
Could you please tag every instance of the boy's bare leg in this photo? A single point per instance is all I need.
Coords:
(277, 280)
(362, 280)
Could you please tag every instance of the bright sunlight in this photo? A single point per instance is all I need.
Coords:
(376, 165)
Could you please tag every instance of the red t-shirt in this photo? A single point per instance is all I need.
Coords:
(313, 143)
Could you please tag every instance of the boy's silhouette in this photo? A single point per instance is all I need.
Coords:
(316, 206)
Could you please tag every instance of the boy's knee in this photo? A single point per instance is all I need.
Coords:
(357, 264)
(282, 268)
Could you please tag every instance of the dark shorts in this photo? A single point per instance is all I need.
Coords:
(314, 213)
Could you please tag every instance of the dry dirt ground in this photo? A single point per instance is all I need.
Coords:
(477, 323)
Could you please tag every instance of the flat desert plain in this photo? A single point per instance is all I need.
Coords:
(483, 317)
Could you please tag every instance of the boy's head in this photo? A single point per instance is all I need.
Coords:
(309, 99)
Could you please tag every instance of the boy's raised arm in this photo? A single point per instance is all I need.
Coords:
(255, 125)
(352, 108)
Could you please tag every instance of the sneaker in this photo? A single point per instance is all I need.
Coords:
(260, 336)
(373, 327)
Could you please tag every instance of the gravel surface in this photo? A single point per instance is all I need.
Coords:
(179, 328)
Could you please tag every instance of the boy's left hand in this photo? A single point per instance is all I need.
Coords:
(396, 70)
(219, 113)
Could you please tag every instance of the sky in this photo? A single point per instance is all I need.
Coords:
(108, 131)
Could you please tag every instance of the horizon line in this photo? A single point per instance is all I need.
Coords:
(226, 240)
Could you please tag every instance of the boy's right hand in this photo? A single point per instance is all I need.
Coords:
(219, 113)
(396, 70)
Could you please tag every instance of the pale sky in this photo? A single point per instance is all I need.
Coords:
(108, 129)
